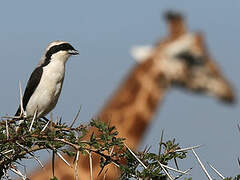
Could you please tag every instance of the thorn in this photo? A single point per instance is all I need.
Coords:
(184, 172)
(169, 176)
(7, 151)
(18, 125)
(61, 157)
(111, 151)
(173, 169)
(145, 149)
(239, 162)
(90, 164)
(135, 156)
(16, 171)
(45, 126)
(188, 148)
(148, 149)
(53, 161)
(160, 144)
(76, 166)
(31, 154)
(57, 120)
(238, 127)
(60, 121)
(175, 161)
(7, 132)
(9, 117)
(216, 171)
(76, 117)
(21, 99)
(116, 164)
(202, 166)
(105, 173)
(33, 119)
(39, 162)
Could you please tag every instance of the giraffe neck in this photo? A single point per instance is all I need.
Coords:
(132, 107)
(130, 110)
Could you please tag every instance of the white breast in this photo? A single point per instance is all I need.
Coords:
(46, 95)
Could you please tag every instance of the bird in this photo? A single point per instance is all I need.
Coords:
(45, 83)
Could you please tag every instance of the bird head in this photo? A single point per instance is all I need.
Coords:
(57, 50)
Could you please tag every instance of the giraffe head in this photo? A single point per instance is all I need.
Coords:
(182, 58)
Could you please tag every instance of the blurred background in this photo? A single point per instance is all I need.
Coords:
(104, 31)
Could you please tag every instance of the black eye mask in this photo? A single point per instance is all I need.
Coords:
(191, 59)
(55, 49)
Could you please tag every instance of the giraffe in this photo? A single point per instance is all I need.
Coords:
(179, 60)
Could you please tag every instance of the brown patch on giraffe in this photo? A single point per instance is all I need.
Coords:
(137, 129)
(201, 46)
(161, 81)
(214, 68)
(67, 177)
(129, 96)
(130, 88)
(85, 161)
(146, 65)
(152, 102)
(95, 160)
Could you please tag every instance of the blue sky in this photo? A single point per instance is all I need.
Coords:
(103, 32)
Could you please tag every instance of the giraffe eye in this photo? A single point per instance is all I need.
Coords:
(190, 59)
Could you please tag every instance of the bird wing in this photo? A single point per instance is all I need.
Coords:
(31, 86)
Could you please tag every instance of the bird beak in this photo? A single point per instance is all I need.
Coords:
(73, 52)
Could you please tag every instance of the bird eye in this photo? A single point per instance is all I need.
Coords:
(190, 58)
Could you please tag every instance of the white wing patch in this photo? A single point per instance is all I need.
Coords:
(141, 53)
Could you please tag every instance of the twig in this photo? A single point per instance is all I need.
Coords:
(202, 166)
(68, 143)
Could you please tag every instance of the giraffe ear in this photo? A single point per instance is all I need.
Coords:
(141, 53)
